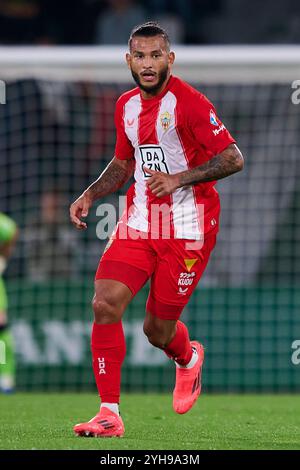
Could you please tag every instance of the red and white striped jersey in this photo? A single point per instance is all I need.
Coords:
(172, 132)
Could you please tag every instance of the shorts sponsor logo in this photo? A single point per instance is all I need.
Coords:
(153, 158)
(185, 279)
(189, 263)
(182, 291)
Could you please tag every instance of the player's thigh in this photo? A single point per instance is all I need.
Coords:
(178, 271)
(130, 262)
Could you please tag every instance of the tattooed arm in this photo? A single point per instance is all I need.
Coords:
(115, 175)
(228, 162)
(225, 164)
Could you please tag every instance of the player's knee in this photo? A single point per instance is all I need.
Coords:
(105, 311)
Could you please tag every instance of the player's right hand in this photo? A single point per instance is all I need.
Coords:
(80, 208)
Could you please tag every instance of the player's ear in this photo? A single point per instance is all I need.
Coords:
(128, 59)
(171, 57)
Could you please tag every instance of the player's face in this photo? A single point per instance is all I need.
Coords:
(150, 63)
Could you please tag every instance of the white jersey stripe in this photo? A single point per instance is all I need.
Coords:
(185, 215)
(139, 218)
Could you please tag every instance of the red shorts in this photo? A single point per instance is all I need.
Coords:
(174, 266)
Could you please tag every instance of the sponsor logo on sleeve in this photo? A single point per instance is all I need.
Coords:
(214, 122)
(220, 129)
(213, 118)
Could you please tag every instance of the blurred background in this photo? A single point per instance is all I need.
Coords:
(110, 21)
(57, 134)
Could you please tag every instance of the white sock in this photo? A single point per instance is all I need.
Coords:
(114, 407)
(192, 361)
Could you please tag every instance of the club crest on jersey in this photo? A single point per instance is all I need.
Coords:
(165, 120)
(213, 118)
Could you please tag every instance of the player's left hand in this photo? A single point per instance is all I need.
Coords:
(162, 184)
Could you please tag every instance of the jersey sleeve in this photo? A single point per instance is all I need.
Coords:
(8, 228)
(207, 128)
(123, 149)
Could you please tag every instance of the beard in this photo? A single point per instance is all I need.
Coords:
(151, 89)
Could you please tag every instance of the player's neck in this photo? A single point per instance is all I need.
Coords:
(147, 96)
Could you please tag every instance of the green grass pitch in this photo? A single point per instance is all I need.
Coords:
(45, 421)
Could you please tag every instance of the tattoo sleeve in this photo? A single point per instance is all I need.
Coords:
(228, 162)
(115, 175)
